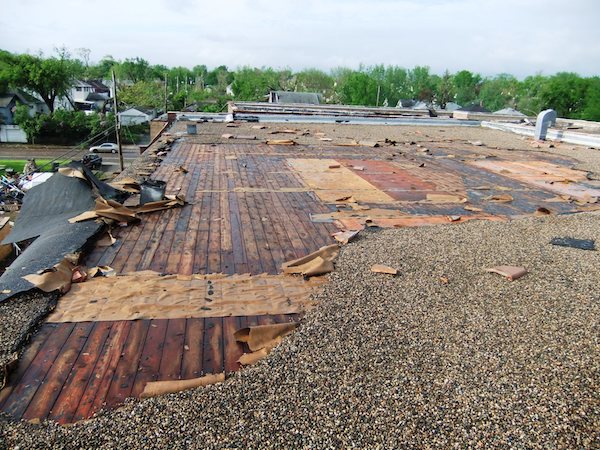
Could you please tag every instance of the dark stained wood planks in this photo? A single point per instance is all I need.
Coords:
(230, 225)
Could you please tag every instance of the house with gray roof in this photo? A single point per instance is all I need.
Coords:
(11, 99)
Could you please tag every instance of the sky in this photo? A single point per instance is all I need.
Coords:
(520, 37)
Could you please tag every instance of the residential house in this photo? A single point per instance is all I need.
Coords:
(135, 116)
(87, 96)
(10, 101)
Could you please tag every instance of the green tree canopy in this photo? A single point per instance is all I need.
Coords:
(47, 77)
(466, 86)
(253, 84)
(146, 94)
(134, 70)
(358, 88)
(499, 92)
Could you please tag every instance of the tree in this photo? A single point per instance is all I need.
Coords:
(466, 85)
(445, 90)
(147, 94)
(253, 84)
(358, 88)
(529, 98)
(103, 69)
(47, 77)
(200, 73)
(396, 84)
(421, 83)
(6, 60)
(314, 80)
(565, 93)
(499, 92)
(591, 108)
(134, 70)
(179, 77)
(219, 78)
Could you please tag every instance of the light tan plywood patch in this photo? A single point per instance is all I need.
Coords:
(332, 184)
(147, 295)
(551, 177)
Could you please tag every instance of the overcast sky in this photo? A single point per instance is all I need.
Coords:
(521, 37)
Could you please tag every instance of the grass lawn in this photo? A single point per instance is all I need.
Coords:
(18, 164)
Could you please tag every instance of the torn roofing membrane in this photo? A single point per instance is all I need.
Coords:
(45, 213)
(46, 251)
(51, 205)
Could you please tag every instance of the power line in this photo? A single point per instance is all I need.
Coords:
(76, 149)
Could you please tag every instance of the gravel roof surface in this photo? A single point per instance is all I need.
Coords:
(404, 361)
(19, 316)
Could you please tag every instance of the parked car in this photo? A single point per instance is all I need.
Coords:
(106, 147)
(93, 162)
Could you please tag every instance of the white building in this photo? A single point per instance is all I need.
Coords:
(135, 116)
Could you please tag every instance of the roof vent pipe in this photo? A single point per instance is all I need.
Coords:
(544, 120)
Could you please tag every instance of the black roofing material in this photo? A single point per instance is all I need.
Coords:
(46, 211)
(104, 190)
(45, 252)
(50, 205)
(581, 244)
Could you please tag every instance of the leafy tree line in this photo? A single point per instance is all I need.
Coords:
(143, 84)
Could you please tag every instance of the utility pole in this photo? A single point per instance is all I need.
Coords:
(166, 96)
(117, 124)
(378, 92)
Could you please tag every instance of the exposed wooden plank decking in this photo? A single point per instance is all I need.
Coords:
(248, 212)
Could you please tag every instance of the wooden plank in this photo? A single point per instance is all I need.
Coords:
(66, 404)
(186, 263)
(232, 349)
(42, 402)
(37, 343)
(213, 345)
(200, 264)
(157, 236)
(266, 319)
(19, 399)
(109, 254)
(172, 354)
(140, 247)
(274, 233)
(237, 241)
(258, 218)
(124, 250)
(125, 373)
(226, 251)
(246, 214)
(159, 260)
(191, 365)
(95, 392)
(149, 362)
(216, 224)
(188, 185)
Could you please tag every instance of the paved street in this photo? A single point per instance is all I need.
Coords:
(25, 151)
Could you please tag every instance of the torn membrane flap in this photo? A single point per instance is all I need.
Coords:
(154, 388)
(262, 335)
(315, 263)
(58, 278)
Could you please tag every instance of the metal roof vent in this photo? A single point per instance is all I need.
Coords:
(544, 120)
